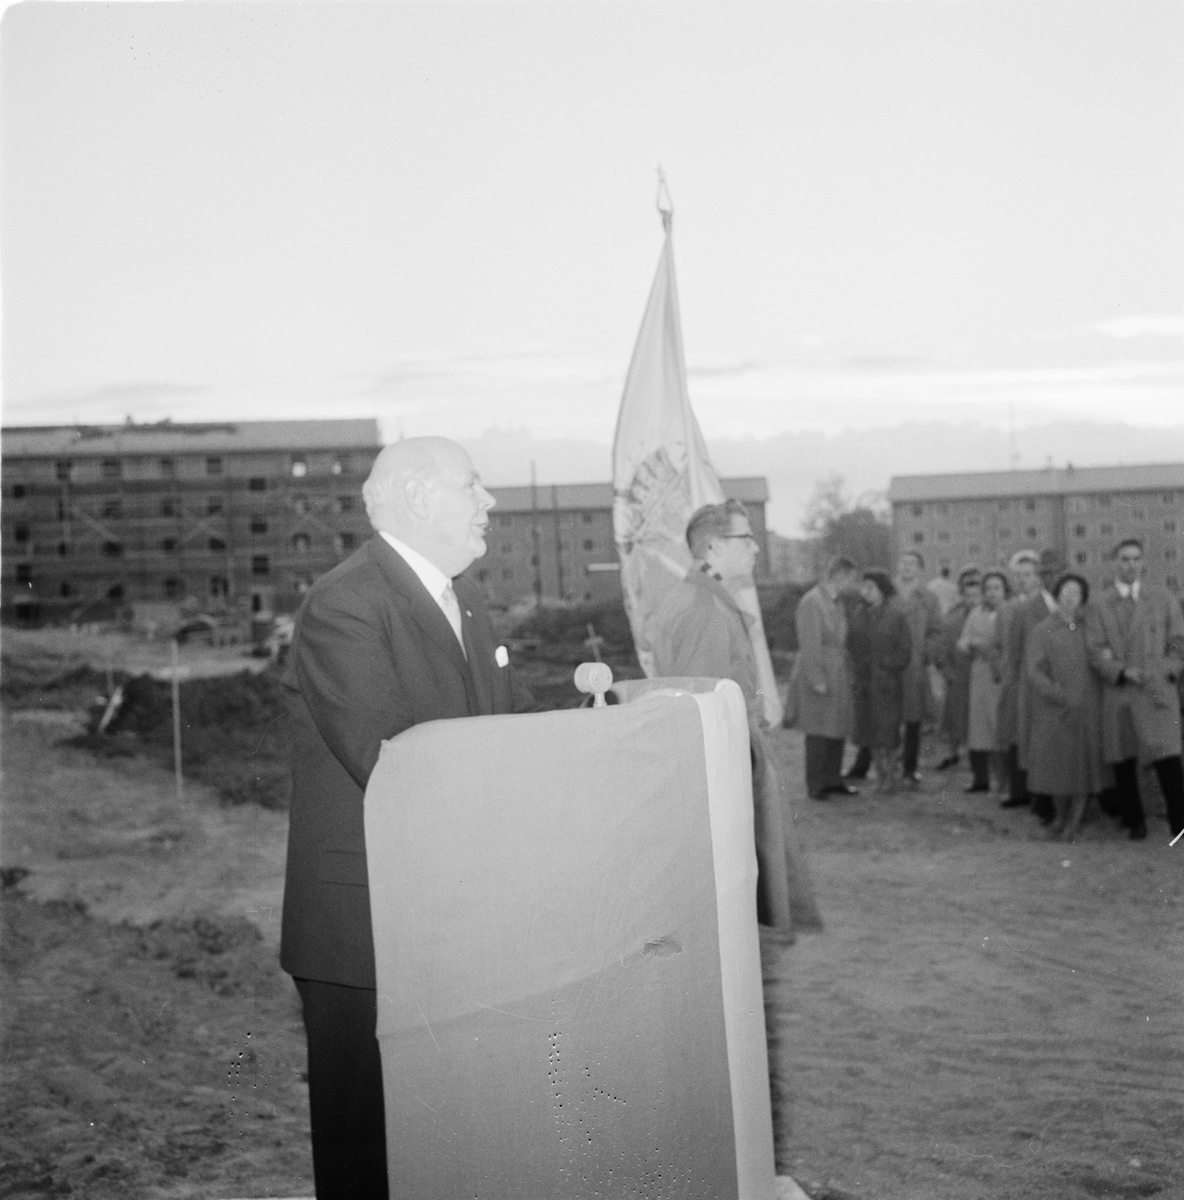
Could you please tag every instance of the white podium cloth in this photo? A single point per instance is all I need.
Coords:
(569, 985)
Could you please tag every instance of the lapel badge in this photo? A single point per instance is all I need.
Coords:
(501, 656)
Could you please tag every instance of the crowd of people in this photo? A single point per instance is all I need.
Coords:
(1056, 697)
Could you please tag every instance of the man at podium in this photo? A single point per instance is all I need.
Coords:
(388, 639)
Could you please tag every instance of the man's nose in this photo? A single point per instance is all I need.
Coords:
(484, 499)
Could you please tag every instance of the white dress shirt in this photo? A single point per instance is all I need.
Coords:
(1128, 590)
(438, 584)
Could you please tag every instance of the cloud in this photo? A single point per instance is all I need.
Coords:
(1155, 325)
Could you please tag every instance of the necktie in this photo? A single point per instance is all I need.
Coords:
(451, 609)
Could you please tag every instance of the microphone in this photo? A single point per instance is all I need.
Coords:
(594, 678)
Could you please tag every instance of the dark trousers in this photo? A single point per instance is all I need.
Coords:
(344, 1091)
(824, 763)
(1017, 776)
(1170, 772)
(980, 768)
(912, 747)
(862, 764)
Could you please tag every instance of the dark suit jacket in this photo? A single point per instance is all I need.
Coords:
(372, 655)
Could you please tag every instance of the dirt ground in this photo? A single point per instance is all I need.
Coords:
(987, 1014)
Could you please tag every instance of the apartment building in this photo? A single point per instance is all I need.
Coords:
(1080, 512)
(556, 541)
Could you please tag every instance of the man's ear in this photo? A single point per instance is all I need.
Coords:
(415, 492)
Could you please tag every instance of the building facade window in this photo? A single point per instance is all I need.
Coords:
(917, 510)
(115, 592)
(590, 544)
(1105, 529)
(20, 533)
(918, 537)
(300, 504)
(587, 518)
(64, 589)
(112, 549)
(258, 525)
(172, 588)
(219, 587)
(1169, 555)
(299, 468)
(1173, 582)
(301, 543)
(112, 509)
(337, 466)
(217, 543)
(168, 468)
(1169, 497)
(504, 521)
(260, 564)
(1005, 533)
(213, 505)
(1169, 527)
(507, 572)
(1030, 504)
(168, 507)
(974, 549)
(345, 504)
(61, 470)
(1082, 558)
(257, 483)
(1103, 501)
(112, 468)
(1138, 514)
(24, 572)
(345, 541)
(1080, 530)
(169, 545)
(18, 491)
(1031, 531)
(213, 465)
(943, 536)
(507, 547)
(63, 549)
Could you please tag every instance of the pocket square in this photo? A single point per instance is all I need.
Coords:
(501, 656)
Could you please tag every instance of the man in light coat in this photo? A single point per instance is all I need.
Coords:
(1137, 648)
(700, 630)
(922, 611)
(820, 687)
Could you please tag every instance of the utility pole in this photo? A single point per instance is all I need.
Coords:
(558, 541)
(536, 535)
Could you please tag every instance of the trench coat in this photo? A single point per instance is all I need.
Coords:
(700, 630)
(1064, 750)
(954, 664)
(922, 611)
(881, 647)
(1023, 614)
(1138, 721)
(978, 636)
(821, 662)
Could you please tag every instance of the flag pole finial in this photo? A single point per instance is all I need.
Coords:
(665, 203)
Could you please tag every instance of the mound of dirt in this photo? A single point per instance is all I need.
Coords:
(234, 733)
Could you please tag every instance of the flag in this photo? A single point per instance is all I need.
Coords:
(662, 474)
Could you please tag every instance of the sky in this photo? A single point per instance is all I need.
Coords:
(443, 214)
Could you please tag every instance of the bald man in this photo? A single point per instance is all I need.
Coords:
(387, 639)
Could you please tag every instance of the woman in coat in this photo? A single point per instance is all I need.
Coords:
(979, 643)
(954, 663)
(880, 647)
(1064, 748)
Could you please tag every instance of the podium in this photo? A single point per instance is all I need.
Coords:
(568, 969)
